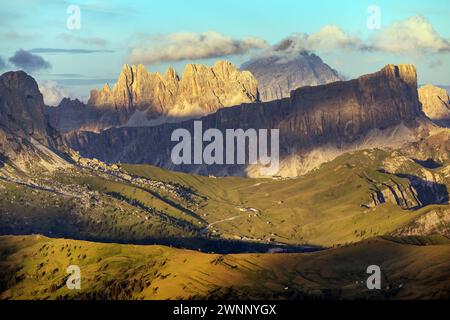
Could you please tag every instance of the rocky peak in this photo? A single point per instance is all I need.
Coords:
(282, 70)
(172, 74)
(22, 118)
(20, 81)
(405, 72)
(21, 109)
(435, 103)
(192, 69)
(106, 88)
(224, 68)
(71, 103)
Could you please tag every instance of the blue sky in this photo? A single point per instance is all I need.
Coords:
(114, 30)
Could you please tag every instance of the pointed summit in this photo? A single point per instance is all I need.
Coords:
(171, 74)
(106, 88)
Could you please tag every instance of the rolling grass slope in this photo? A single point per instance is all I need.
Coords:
(34, 267)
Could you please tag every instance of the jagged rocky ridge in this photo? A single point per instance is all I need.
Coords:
(336, 114)
(142, 98)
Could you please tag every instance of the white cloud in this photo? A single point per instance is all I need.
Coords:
(328, 38)
(53, 94)
(190, 46)
(414, 34)
(333, 37)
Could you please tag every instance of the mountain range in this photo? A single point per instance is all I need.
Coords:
(333, 118)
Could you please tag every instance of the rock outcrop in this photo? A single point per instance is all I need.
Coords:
(408, 192)
(435, 103)
(433, 222)
(336, 114)
(24, 129)
(278, 75)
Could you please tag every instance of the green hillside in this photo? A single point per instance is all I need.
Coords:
(35, 267)
(331, 206)
(324, 207)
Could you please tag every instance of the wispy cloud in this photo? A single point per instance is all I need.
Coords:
(92, 41)
(84, 82)
(191, 46)
(60, 50)
(329, 37)
(67, 75)
(28, 61)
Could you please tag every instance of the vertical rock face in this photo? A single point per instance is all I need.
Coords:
(277, 75)
(22, 118)
(344, 110)
(201, 90)
(336, 114)
(21, 108)
(435, 103)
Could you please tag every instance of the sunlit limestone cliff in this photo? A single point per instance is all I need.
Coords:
(143, 98)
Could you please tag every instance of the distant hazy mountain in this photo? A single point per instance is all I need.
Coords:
(283, 69)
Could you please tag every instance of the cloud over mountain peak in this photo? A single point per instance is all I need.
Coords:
(181, 46)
